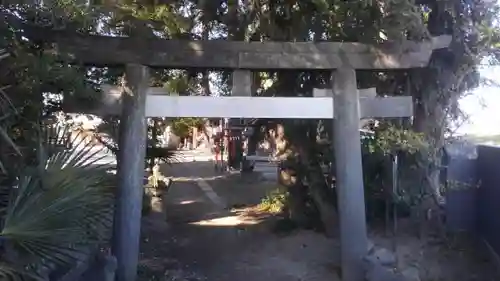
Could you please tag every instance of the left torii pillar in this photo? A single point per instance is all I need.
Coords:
(130, 172)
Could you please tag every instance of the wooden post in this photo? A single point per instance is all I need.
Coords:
(130, 173)
(241, 87)
(349, 174)
(195, 137)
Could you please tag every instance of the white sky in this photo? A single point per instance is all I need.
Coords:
(483, 107)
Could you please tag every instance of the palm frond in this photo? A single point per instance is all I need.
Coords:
(7, 110)
(59, 212)
(9, 272)
(164, 154)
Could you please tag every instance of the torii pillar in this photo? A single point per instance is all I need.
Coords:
(349, 173)
(130, 171)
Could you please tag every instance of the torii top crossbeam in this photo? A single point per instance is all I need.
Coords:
(221, 54)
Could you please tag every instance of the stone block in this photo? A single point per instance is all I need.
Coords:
(411, 274)
(381, 256)
(381, 273)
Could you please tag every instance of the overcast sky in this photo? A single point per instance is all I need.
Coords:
(483, 107)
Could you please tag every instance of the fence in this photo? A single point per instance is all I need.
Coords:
(473, 193)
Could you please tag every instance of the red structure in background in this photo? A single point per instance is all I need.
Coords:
(229, 142)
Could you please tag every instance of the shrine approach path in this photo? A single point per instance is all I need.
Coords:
(209, 231)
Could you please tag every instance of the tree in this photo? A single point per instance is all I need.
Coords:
(182, 126)
(363, 21)
(305, 144)
(375, 21)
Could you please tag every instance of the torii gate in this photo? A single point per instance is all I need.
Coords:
(345, 107)
(343, 104)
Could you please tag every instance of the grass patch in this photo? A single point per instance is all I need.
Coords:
(274, 202)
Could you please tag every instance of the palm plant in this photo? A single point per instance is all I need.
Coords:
(58, 210)
(7, 111)
(107, 134)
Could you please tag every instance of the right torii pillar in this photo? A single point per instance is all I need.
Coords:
(349, 171)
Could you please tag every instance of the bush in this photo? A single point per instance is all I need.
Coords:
(275, 201)
(58, 210)
(182, 126)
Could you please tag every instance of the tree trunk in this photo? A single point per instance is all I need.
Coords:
(291, 178)
(429, 120)
(321, 192)
(253, 140)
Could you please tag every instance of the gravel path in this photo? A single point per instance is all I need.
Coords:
(204, 240)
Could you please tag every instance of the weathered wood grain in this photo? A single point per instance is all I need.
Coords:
(221, 54)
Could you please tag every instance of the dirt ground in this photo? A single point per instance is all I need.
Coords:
(197, 239)
(459, 257)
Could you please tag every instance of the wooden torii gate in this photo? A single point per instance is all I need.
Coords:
(345, 107)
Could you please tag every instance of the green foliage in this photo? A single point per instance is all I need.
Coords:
(178, 83)
(163, 154)
(165, 17)
(182, 126)
(60, 208)
(7, 112)
(32, 72)
(32, 82)
(402, 17)
(275, 201)
(61, 203)
(9, 272)
(390, 139)
(107, 134)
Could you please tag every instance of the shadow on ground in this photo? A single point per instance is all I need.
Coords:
(196, 239)
(201, 240)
